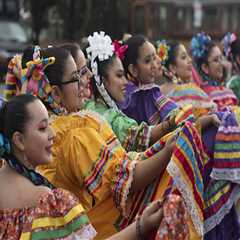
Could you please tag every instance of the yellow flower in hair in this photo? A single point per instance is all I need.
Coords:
(162, 50)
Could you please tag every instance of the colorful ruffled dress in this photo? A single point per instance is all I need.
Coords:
(191, 94)
(57, 215)
(133, 136)
(147, 104)
(221, 95)
(89, 161)
(222, 183)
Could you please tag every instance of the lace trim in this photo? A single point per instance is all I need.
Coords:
(216, 219)
(187, 195)
(88, 113)
(146, 87)
(148, 136)
(125, 194)
(85, 233)
(232, 175)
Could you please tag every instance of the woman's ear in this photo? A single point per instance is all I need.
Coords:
(133, 70)
(56, 94)
(18, 141)
(205, 68)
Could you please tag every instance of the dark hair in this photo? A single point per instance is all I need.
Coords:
(204, 57)
(235, 48)
(14, 115)
(172, 53)
(55, 71)
(72, 47)
(132, 52)
(102, 72)
(27, 55)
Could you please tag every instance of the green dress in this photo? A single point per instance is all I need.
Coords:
(133, 137)
(234, 84)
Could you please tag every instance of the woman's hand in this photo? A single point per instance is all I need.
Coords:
(151, 217)
(170, 143)
(206, 121)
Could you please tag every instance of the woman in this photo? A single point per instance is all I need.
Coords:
(179, 85)
(139, 63)
(208, 61)
(132, 136)
(231, 45)
(78, 57)
(88, 160)
(24, 128)
(177, 65)
(27, 198)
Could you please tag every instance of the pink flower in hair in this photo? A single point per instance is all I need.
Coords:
(119, 49)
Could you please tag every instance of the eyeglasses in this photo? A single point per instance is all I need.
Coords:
(75, 78)
(82, 71)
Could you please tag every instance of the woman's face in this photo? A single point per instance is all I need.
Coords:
(183, 64)
(37, 136)
(159, 69)
(115, 82)
(146, 64)
(85, 74)
(214, 67)
(70, 86)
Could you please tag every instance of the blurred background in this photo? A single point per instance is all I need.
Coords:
(44, 22)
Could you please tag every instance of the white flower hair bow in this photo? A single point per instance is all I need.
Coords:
(100, 45)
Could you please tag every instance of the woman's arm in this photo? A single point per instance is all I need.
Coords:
(146, 171)
(162, 129)
(150, 220)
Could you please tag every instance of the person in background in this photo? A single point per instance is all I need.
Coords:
(208, 61)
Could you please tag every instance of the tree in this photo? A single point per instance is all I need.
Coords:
(39, 16)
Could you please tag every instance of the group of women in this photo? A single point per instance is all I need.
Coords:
(126, 141)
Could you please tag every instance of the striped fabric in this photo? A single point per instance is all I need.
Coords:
(184, 94)
(222, 96)
(207, 202)
(226, 164)
(165, 108)
(57, 215)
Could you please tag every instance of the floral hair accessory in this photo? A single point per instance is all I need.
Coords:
(101, 47)
(4, 145)
(200, 45)
(34, 80)
(120, 49)
(162, 50)
(13, 77)
(228, 39)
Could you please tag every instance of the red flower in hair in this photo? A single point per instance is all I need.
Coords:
(120, 49)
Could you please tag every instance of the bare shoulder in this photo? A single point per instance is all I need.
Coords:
(17, 191)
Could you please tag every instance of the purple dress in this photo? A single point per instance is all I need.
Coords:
(147, 104)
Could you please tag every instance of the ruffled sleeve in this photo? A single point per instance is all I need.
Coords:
(95, 159)
(57, 215)
(147, 104)
(61, 213)
(133, 136)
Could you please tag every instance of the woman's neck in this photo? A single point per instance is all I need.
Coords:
(21, 158)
